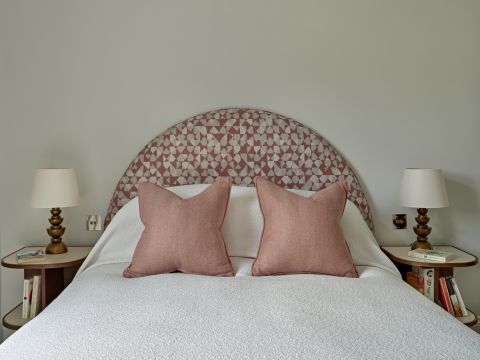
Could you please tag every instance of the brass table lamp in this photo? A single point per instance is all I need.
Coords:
(423, 189)
(55, 189)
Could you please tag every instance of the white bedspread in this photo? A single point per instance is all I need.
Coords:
(102, 315)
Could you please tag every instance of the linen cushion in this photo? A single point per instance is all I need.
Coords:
(181, 234)
(302, 235)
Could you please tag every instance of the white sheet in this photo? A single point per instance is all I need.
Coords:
(242, 266)
(102, 315)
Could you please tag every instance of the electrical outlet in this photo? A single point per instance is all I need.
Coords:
(94, 223)
(399, 221)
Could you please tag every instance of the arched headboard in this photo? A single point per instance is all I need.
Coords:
(241, 144)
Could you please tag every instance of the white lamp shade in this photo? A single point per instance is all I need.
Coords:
(423, 188)
(54, 188)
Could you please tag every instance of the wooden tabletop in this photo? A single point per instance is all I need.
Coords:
(73, 257)
(460, 258)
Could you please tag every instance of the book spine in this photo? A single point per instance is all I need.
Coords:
(415, 281)
(27, 260)
(444, 296)
(27, 288)
(453, 297)
(426, 281)
(36, 297)
(429, 290)
(25, 299)
(412, 280)
(459, 297)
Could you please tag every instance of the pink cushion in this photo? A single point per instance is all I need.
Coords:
(302, 235)
(181, 234)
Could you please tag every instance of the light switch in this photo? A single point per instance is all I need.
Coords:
(94, 223)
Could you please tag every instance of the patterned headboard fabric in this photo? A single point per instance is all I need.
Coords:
(241, 144)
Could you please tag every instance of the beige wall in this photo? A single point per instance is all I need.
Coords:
(392, 84)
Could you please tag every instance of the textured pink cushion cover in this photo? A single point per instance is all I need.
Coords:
(182, 234)
(302, 235)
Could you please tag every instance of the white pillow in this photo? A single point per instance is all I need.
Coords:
(243, 224)
(361, 241)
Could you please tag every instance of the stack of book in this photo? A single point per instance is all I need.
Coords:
(422, 280)
(30, 256)
(32, 297)
(451, 298)
(435, 255)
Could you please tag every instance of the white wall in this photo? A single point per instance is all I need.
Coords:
(3, 204)
(3, 145)
(392, 84)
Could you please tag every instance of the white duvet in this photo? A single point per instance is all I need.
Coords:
(102, 315)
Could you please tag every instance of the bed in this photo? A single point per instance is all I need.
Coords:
(102, 315)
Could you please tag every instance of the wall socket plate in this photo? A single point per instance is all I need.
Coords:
(399, 221)
(94, 223)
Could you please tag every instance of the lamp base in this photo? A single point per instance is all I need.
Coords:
(56, 248)
(56, 231)
(421, 245)
(422, 230)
